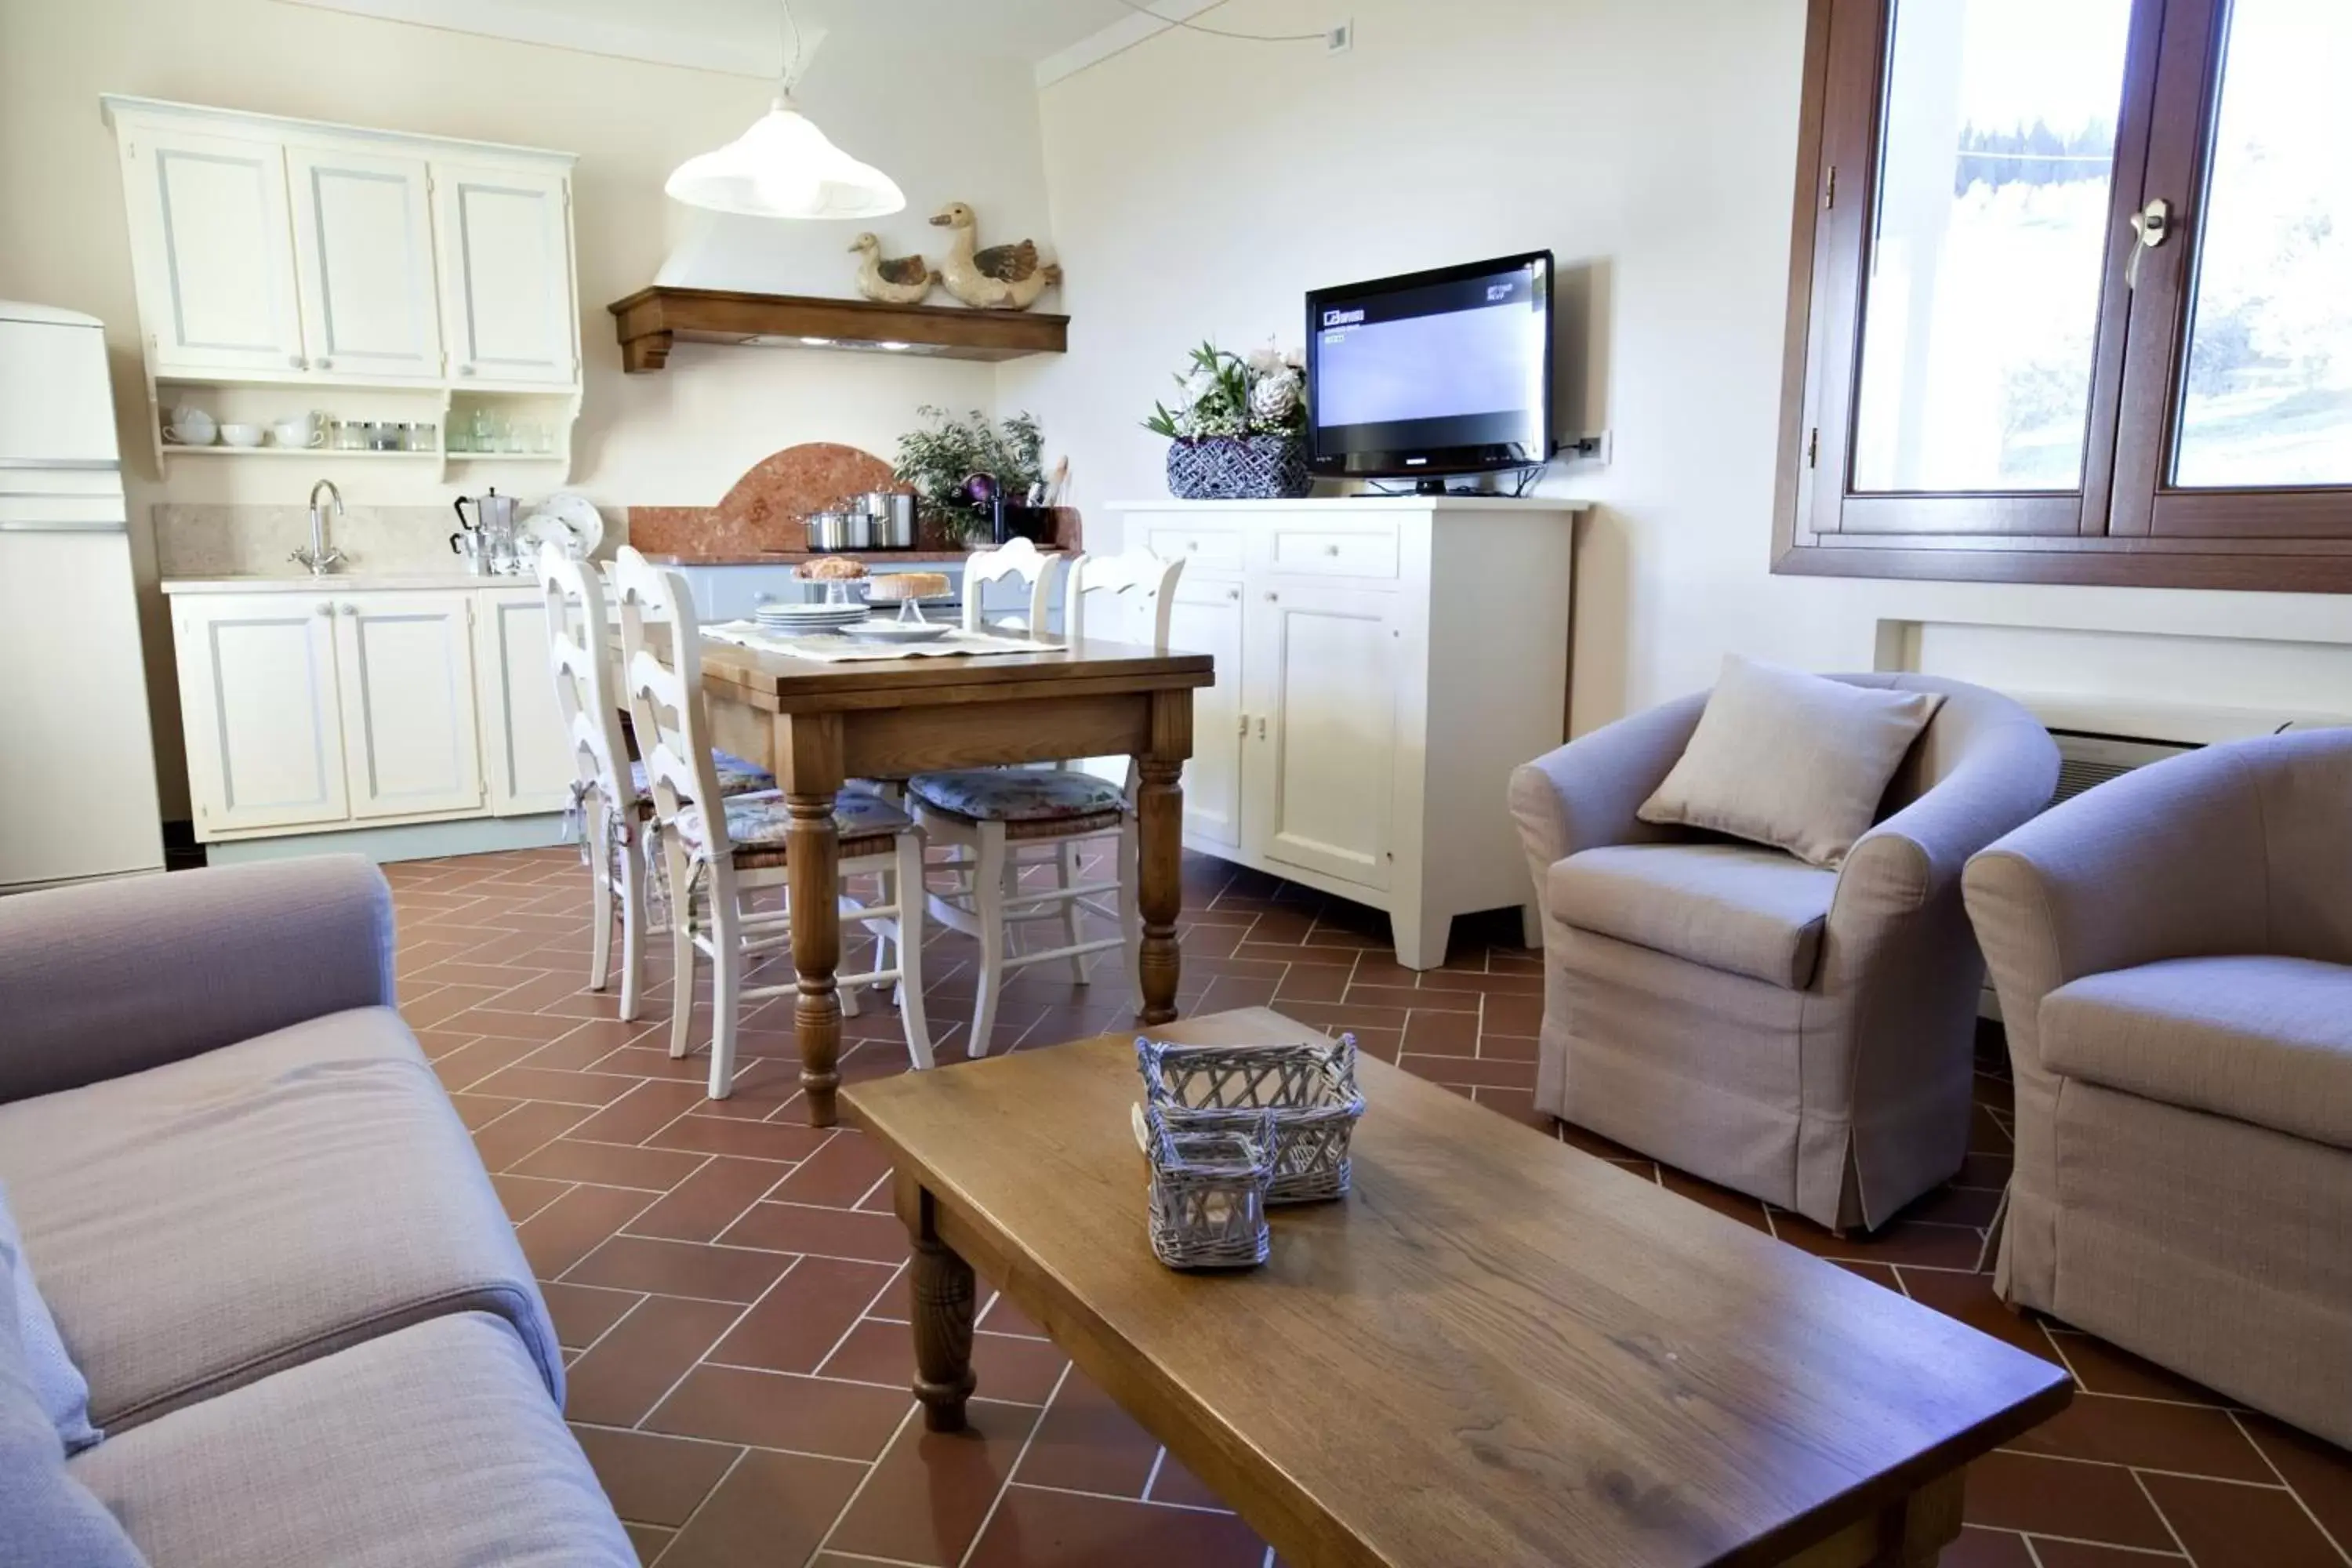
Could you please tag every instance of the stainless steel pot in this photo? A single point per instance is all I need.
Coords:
(893, 516)
(831, 530)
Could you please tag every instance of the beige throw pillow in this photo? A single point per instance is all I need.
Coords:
(1792, 760)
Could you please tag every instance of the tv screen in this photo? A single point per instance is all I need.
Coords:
(1445, 372)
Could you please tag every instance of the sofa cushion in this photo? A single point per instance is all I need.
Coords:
(436, 1446)
(46, 1515)
(63, 1390)
(1798, 762)
(1734, 907)
(2263, 1039)
(205, 1223)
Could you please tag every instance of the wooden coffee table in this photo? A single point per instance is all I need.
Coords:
(1496, 1351)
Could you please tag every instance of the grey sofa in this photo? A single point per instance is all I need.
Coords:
(308, 1332)
(1800, 1035)
(2174, 955)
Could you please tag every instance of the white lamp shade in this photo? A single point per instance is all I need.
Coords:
(783, 167)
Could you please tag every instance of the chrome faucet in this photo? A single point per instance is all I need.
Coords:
(320, 558)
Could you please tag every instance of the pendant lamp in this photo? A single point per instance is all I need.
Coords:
(784, 167)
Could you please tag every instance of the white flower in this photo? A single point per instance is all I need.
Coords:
(1267, 361)
(1194, 387)
(1273, 399)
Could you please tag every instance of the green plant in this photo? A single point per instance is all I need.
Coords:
(937, 459)
(1224, 394)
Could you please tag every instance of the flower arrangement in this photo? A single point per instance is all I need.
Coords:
(1238, 430)
(1224, 394)
(938, 460)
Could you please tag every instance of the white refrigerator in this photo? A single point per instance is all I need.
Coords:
(76, 762)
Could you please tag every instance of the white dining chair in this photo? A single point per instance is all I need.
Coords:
(985, 815)
(712, 859)
(1023, 563)
(612, 814)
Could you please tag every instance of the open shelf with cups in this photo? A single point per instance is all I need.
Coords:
(435, 428)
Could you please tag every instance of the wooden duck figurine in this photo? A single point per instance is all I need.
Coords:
(892, 279)
(1000, 278)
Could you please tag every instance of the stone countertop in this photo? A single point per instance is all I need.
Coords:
(344, 582)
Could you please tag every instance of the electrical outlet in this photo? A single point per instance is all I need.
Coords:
(1594, 447)
(1339, 38)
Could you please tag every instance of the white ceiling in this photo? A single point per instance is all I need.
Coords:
(742, 36)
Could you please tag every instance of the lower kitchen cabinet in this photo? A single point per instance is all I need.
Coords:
(312, 707)
(1382, 664)
(405, 665)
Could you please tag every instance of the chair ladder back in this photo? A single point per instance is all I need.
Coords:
(666, 695)
(1023, 560)
(1132, 572)
(580, 663)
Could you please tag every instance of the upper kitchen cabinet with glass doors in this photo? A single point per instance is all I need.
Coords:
(348, 292)
(2075, 297)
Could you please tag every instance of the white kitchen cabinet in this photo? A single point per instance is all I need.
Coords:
(284, 266)
(211, 251)
(363, 257)
(323, 706)
(526, 756)
(404, 663)
(261, 710)
(506, 273)
(1382, 664)
(1208, 619)
(1320, 669)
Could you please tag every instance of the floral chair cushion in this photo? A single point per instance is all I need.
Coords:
(756, 823)
(736, 775)
(1017, 794)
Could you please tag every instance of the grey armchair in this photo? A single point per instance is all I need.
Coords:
(2174, 955)
(1803, 1036)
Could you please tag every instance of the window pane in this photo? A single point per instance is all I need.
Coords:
(2269, 393)
(1982, 306)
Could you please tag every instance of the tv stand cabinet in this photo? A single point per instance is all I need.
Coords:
(1383, 662)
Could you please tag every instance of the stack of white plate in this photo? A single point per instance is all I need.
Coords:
(800, 619)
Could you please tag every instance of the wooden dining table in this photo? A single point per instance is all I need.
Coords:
(817, 725)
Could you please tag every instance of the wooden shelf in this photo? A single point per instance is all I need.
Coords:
(650, 319)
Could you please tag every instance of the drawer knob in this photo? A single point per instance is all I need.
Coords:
(1331, 550)
(324, 608)
(295, 360)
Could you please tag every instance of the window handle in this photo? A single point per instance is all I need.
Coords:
(2153, 225)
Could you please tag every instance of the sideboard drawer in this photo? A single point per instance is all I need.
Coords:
(1336, 553)
(1210, 549)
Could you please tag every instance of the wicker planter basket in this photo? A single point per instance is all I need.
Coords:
(1238, 467)
(1208, 1193)
(1309, 1091)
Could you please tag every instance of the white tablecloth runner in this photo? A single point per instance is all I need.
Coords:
(832, 648)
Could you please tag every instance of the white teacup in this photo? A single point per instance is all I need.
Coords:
(241, 435)
(191, 427)
(300, 432)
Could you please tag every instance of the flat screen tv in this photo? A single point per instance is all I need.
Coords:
(1447, 372)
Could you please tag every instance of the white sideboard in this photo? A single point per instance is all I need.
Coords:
(285, 264)
(321, 705)
(1383, 662)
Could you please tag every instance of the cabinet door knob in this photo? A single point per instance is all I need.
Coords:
(1271, 598)
(325, 609)
(349, 608)
(1328, 550)
(1193, 546)
(1233, 593)
(324, 364)
(1261, 729)
(464, 370)
(297, 361)
(1245, 726)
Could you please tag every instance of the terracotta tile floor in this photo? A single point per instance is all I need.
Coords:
(726, 1281)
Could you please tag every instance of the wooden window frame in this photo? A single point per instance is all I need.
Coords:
(2125, 526)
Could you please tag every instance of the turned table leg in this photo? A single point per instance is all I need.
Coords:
(942, 1319)
(808, 766)
(1160, 832)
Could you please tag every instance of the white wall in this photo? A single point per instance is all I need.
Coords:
(1200, 186)
(945, 128)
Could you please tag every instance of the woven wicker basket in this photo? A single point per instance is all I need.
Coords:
(1208, 1193)
(1309, 1089)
